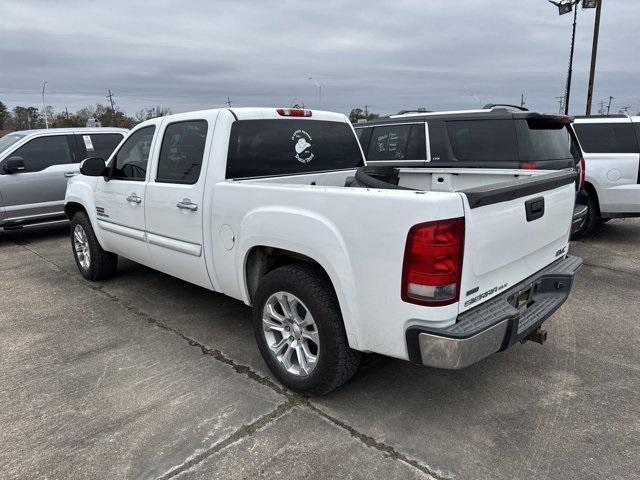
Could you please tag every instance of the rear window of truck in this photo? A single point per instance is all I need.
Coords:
(259, 148)
(543, 140)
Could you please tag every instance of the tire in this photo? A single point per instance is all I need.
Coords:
(309, 291)
(93, 262)
(591, 220)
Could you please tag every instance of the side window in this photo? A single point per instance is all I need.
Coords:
(397, 142)
(607, 137)
(99, 144)
(130, 163)
(181, 152)
(44, 152)
(483, 140)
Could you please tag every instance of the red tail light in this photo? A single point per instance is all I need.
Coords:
(433, 263)
(529, 165)
(583, 173)
(294, 112)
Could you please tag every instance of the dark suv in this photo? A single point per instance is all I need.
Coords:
(492, 137)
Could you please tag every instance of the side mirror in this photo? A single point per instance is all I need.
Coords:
(14, 165)
(93, 167)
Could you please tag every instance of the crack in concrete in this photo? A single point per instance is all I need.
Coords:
(293, 399)
(242, 432)
(611, 269)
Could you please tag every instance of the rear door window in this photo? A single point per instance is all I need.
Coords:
(397, 142)
(99, 145)
(43, 152)
(483, 140)
(284, 147)
(607, 137)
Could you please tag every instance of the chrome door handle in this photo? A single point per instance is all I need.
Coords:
(133, 198)
(186, 204)
(70, 174)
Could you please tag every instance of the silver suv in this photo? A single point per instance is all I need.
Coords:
(35, 166)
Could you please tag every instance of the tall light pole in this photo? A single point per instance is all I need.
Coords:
(594, 49)
(44, 110)
(319, 91)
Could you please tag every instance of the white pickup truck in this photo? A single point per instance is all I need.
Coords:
(439, 266)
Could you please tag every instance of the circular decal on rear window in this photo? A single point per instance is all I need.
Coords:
(302, 145)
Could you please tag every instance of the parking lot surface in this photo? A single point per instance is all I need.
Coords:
(146, 376)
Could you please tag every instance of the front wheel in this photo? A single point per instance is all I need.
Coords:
(299, 330)
(93, 262)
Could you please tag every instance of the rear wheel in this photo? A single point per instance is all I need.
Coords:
(590, 220)
(299, 330)
(93, 262)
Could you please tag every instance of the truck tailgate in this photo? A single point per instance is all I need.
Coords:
(513, 230)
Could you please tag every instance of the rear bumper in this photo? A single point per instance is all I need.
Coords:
(496, 324)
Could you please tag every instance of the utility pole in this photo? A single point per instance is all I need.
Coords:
(228, 102)
(594, 53)
(44, 109)
(522, 100)
(569, 74)
(560, 100)
(366, 111)
(609, 106)
(113, 109)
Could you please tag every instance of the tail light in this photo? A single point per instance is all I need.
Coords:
(293, 112)
(433, 263)
(529, 165)
(583, 173)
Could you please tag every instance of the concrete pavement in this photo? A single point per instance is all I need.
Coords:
(146, 376)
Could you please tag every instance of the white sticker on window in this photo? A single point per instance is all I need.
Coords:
(87, 142)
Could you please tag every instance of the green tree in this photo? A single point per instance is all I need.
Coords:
(25, 118)
(4, 115)
(358, 114)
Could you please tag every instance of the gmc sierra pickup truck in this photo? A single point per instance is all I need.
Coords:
(276, 208)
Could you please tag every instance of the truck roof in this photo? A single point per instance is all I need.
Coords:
(69, 130)
(257, 113)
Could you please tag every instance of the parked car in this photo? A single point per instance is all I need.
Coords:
(444, 268)
(611, 146)
(35, 166)
(496, 136)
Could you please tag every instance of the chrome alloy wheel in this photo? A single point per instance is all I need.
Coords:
(291, 333)
(81, 247)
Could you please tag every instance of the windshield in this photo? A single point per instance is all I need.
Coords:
(8, 140)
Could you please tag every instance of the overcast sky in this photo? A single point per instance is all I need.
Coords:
(440, 54)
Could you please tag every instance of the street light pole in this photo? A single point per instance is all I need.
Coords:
(594, 52)
(319, 91)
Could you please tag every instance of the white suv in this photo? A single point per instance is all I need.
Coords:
(611, 146)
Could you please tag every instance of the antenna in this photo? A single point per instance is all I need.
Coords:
(228, 102)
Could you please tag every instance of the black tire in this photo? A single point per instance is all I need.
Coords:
(591, 220)
(336, 363)
(101, 264)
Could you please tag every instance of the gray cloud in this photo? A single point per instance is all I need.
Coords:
(390, 55)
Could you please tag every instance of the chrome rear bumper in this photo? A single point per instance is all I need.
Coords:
(496, 324)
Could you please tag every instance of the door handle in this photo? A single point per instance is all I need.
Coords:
(133, 198)
(70, 174)
(186, 204)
